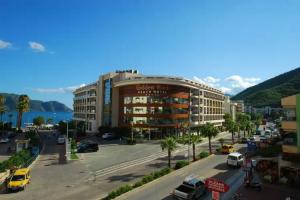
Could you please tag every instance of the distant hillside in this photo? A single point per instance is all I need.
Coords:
(270, 92)
(35, 105)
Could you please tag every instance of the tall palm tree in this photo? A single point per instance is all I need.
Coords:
(209, 131)
(170, 144)
(191, 140)
(23, 106)
(2, 110)
(232, 127)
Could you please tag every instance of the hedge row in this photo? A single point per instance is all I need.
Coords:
(181, 164)
(203, 154)
(146, 179)
(15, 160)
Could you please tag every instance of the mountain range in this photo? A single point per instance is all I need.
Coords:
(270, 92)
(35, 105)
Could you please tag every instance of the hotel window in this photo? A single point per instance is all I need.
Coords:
(140, 99)
(127, 100)
(139, 110)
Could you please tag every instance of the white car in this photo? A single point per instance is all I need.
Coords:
(61, 139)
(4, 140)
(235, 159)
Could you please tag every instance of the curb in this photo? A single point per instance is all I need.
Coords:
(173, 173)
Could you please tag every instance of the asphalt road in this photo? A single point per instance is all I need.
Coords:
(214, 166)
(95, 174)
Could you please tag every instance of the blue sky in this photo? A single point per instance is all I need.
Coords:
(49, 47)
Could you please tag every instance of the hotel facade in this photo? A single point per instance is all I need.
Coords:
(147, 103)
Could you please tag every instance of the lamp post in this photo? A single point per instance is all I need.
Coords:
(131, 131)
(67, 142)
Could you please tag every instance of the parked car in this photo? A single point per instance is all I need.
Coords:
(19, 180)
(61, 139)
(253, 139)
(235, 159)
(4, 140)
(227, 148)
(108, 136)
(87, 146)
(11, 135)
(191, 188)
(244, 140)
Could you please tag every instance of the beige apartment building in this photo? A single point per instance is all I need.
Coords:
(147, 103)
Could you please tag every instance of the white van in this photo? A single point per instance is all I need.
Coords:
(235, 159)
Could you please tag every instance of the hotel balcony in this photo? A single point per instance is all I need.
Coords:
(289, 125)
(288, 102)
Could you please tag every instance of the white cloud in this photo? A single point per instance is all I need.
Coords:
(4, 44)
(38, 47)
(240, 82)
(211, 79)
(226, 90)
(199, 80)
(58, 90)
(230, 85)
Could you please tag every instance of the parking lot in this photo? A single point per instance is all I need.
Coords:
(112, 152)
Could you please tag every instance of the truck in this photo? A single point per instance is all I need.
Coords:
(191, 188)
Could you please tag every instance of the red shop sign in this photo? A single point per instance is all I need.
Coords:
(216, 185)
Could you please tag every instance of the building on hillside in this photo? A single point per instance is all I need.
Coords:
(240, 106)
(291, 138)
(157, 104)
(230, 107)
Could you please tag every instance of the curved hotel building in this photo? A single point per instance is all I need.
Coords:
(157, 104)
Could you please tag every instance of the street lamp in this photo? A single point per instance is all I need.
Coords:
(131, 131)
(67, 142)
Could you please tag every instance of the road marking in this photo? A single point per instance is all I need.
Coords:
(132, 163)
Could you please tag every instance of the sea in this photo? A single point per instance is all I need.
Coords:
(29, 116)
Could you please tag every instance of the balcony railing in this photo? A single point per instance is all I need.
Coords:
(291, 149)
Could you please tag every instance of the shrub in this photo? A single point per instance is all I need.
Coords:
(181, 164)
(203, 154)
(16, 160)
(130, 142)
(146, 179)
(137, 184)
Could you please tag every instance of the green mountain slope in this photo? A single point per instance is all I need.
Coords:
(35, 105)
(270, 92)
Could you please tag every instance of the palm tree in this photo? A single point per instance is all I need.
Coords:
(191, 140)
(209, 131)
(49, 121)
(170, 144)
(23, 106)
(232, 128)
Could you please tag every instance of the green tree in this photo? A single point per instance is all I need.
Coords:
(38, 121)
(228, 119)
(257, 119)
(2, 110)
(50, 121)
(232, 127)
(23, 106)
(170, 144)
(191, 140)
(209, 131)
(243, 120)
